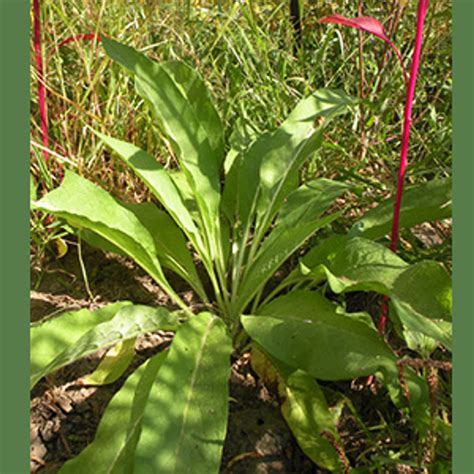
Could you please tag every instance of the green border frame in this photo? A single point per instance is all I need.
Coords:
(14, 236)
(14, 261)
(463, 237)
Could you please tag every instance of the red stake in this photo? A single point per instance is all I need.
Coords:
(422, 9)
(41, 87)
(39, 69)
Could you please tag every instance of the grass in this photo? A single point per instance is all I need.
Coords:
(246, 57)
(245, 53)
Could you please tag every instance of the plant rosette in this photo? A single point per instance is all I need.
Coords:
(241, 214)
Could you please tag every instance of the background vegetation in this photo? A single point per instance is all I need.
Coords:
(246, 53)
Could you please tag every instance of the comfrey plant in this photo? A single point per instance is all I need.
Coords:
(239, 215)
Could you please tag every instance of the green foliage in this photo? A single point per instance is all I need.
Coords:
(181, 104)
(304, 330)
(306, 412)
(50, 338)
(128, 323)
(99, 212)
(116, 439)
(159, 181)
(420, 293)
(426, 202)
(192, 390)
(243, 232)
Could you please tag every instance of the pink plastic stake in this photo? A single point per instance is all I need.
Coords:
(422, 9)
(39, 69)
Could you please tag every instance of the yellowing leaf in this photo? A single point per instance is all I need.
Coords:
(61, 247)
(114, 364)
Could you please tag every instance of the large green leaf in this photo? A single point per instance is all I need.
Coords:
(304, 407)
(280, 244)
(427, 202)
(186, 115)
(50, 338)
(279, 173)
(297, 221)
(194, 90)
(170, 243)
(421, 293)
(130, 322)
(359, 262)
(308, 202)
(113, 448)
(86, 206)
(306, 411)
(185, 420)
(192, 98)
(266, 173)
(300, 304)
(309, 267)
(159, 181)
(304, 330)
